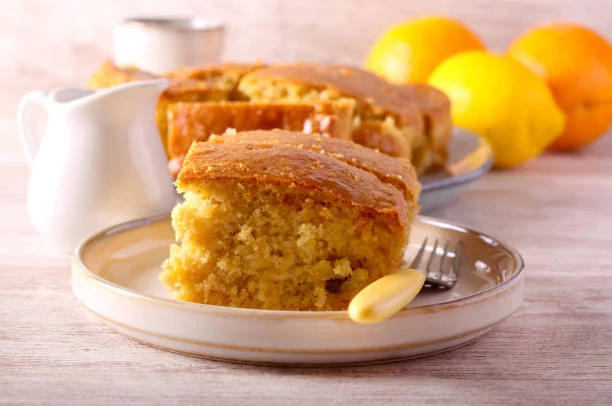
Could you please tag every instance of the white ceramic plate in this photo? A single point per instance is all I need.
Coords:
(470, 157)
(115, 276)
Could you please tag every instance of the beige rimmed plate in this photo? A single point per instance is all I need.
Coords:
(114, 275)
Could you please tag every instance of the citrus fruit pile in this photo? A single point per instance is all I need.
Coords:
(552, 89)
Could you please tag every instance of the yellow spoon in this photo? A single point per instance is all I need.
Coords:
(386, 296)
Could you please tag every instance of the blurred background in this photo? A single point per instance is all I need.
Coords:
(59, 42)
(54, 43)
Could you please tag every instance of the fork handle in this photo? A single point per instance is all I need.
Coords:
(386, 296)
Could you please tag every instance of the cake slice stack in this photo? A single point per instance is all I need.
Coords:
(411, 121)
(397, 120)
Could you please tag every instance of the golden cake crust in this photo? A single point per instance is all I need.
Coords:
(349, 81)
(305, 171)
(214, 71)
(411, 121)
(190, 122)
(397, 172)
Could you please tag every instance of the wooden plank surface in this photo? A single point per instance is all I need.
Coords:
(557, 210)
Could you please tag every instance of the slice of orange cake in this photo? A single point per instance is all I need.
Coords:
(285, 220)
(411, 121)
(189, 122)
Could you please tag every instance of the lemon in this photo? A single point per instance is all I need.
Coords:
(409, 52)
(502, 101)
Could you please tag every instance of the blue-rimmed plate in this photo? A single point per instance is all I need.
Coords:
(470, 157)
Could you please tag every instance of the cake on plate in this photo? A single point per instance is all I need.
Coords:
(408, 121)
(286, 220)
(189, 122)
(397, 120)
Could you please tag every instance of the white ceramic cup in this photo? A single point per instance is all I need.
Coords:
(158, 45)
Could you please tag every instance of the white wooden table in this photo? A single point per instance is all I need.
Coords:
(556, 350)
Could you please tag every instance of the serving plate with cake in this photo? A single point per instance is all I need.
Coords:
(277, 232)
(408, 121)
(300, 187)
(115, 275)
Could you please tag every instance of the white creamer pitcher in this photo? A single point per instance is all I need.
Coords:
(98, 162)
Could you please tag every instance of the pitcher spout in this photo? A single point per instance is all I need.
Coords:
(141, 90)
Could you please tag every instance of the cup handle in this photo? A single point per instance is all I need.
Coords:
(27, 119)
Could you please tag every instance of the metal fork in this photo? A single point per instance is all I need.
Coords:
(446, 274)
(388, 295)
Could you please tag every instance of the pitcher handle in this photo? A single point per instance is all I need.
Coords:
(27, 119)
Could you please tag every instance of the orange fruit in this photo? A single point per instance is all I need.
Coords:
(410, 51)
(576, 62)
